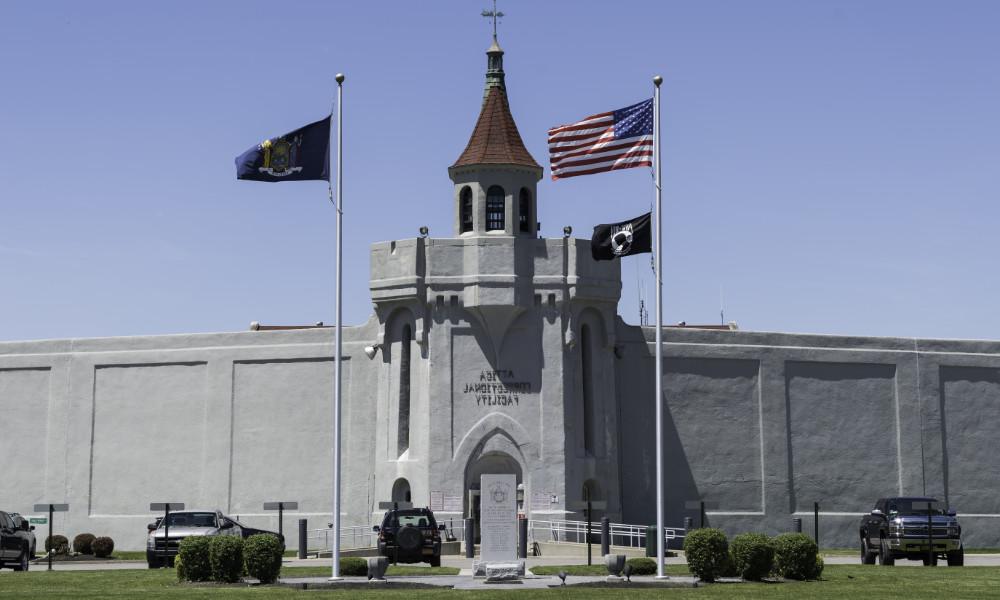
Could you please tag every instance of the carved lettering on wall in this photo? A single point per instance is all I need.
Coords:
(497, 388)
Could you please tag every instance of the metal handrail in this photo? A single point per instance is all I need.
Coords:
(622, 534)
(572, 532)
(362, 536)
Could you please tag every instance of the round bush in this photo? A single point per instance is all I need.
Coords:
(796, 557)
(262, 554)
(194, 553)
(82, 543)
(57, 543)
(179, 568)
(753, 556)
(103, 547)
(642, 566)
(728, 567)
(225, 553)
(707, 552)
(352, 566)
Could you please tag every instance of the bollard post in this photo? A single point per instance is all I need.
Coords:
(52, 542)
(688, 524)
(797, 525)
(522, 538)
(605, 536)
(816, 522)
(303, 538)
(470, 538)
(589, 517)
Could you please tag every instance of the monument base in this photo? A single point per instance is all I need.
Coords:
(481, 568)
(504, 571)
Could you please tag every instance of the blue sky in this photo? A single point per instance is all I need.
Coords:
(832, 167)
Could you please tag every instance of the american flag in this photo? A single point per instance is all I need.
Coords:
(619, 139)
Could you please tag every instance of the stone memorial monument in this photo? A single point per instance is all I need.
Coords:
(498, 529)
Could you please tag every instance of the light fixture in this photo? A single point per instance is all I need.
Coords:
(424, 231)
(567, 231)
(370, 351)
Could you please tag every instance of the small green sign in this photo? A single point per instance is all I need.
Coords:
(38, 520)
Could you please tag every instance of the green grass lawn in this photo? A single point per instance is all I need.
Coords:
(839, 581)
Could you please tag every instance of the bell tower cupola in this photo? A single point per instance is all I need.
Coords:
(496, 177)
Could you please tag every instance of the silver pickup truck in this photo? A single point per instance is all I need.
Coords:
(165, 538)
(898, 528)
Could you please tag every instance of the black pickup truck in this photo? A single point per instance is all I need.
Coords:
(15, 549)
(897, 528)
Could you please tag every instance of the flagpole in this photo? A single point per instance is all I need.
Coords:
(335, 549)
(659, 330)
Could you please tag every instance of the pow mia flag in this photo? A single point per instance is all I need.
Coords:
(614, 240)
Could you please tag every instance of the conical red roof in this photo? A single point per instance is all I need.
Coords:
(495, 140)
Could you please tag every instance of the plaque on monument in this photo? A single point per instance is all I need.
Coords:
(498, 518)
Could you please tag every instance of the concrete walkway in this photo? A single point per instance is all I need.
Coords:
(459, 582)
(972, 560)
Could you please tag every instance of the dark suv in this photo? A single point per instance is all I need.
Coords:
(410, 535)
(897, 528)
(27, 529)
(15, 549)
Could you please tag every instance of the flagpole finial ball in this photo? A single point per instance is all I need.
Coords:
(339, 77)
(657, 80)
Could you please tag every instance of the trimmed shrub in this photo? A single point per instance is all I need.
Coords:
(179, 568)
(728, 567)
(82, 543)
(707, 552)
(194, 553)
(753, 556)
(642, 566)
(103, 546)
(57, 543)
(225, 553)
(796, 557)
(352, 566)
(262, 554)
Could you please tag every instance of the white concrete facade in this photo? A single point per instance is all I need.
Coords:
(499, 352)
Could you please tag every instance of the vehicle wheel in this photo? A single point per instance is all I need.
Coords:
(33, 553)
(885, 557)
(154, 562)
(867, 556)
(22, 561)
(956, 558)
(409, 539)
(435, 561)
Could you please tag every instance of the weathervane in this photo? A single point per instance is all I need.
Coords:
(493, 14)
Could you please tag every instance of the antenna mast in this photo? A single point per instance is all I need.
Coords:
(722, 307)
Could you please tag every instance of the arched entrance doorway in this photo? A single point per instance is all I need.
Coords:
(488, 463)
(401, 490)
